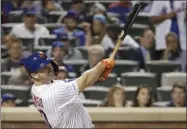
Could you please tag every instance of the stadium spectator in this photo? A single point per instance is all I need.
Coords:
(58, 53)
(71, 21)
(95, 54)
(172, 51)
(15, 53)
(78, 5)
(123, 7)
(29, 27)
(144, 52)
(178, 95)
(99, 28)
(46, 6)
(6, 40)
(168, 16)
(143, 97)
(115, 97)
(21, 78)
(62, 74)
(8, 100)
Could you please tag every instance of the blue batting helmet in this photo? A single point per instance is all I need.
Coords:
(37, 61)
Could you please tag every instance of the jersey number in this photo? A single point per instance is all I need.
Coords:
(45, 117)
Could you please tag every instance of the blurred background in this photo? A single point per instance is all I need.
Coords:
(150, 68)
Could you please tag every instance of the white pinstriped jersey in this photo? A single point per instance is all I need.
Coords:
(60, 106)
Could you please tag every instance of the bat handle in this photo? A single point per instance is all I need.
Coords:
(116, 49)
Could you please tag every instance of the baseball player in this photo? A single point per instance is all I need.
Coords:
(58, 101)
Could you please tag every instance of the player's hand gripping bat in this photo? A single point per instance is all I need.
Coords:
(127, 27)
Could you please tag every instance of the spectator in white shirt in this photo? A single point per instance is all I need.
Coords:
(99, 28)
(169, 16)
(29, 28)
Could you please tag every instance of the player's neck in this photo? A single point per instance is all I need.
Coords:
(38, 83)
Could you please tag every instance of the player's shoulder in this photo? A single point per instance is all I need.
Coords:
(64, 81)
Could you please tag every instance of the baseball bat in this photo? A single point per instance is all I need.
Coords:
(126, 28)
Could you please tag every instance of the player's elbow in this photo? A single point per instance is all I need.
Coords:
(84, 81)
(88, 78)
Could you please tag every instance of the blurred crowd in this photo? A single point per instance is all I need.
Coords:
(89, 28)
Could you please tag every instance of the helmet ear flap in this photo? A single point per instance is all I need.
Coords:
(55, 67)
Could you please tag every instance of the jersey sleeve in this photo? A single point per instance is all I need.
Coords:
(66, 92)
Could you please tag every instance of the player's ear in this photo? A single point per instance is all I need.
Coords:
(34, 76)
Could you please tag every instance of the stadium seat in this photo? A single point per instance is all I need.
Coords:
(168, 79)
(52, 26)
(47, 40)
(20, 92)
(27, 42)
(15, 16)
(138, 78)
(53, 16)
(41, 48)
(142, 18)
(76, 64)
(3, 48)
(160, 104)
(95, 92)
(125, 53)
(112, 79)
(130, 92)
(72, 74)
(161, 66)
(163, 93)
(7, 27)
(5, 76)
(137, 29)
(84, 52)
(4, 52)
(90, 103)
(122, 66)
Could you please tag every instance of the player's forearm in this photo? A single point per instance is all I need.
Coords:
(158, 19)
(89, 77)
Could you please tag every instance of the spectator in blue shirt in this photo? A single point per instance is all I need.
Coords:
(178, 95)
(71, 21)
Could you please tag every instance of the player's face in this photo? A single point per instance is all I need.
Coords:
(178, 96)
(143, 96)
(118, 96)
(46, 74)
